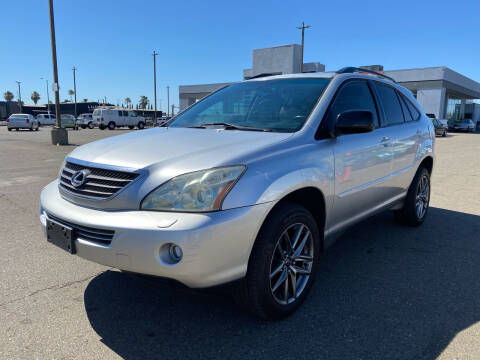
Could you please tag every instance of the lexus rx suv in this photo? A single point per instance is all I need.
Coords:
(248, 186)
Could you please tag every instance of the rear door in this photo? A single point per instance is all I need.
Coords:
(363, 162)
(402, 119)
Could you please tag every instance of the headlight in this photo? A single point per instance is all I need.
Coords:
(198, 191)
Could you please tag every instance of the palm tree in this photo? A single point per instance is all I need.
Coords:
(35, 97)
(143, 102)
(8, 95)
(128, 101)
(71, 92)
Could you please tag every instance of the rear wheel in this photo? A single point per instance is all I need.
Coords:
(83, 126)
(416, 204)
(131, 127)
(9, 129)
(111, 125)
(90, 125)
(282, 264)
(140, 125)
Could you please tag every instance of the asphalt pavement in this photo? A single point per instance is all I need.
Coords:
(383, 291)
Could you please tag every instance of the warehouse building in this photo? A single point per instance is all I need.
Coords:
(439, 90)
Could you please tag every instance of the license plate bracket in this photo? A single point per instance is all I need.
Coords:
(61, 236)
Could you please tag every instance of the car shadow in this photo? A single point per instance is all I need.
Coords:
(383, 291)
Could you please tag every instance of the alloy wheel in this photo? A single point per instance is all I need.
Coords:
(292, 263)
(423, 196)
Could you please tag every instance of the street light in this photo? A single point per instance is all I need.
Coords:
(168, 101)
(155, 87)
(19, 96)
(59, 134)
(48, 96)
(75, 91)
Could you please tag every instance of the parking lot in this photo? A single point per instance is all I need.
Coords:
(383, 291)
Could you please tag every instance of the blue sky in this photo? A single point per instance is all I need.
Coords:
(110, 42)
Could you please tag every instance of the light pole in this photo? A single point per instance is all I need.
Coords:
(155, 88)
(48, 96)
(168, 101)
(19, 96)
(303, 27)
(59, 134)
(75, 91)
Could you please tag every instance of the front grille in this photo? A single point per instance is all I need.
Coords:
(99, 236)
(100, 183)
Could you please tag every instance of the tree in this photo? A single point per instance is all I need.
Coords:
(8, 95)
(35, 97)
(128, 101)
(71, 93)
(85, 100)
(143, 102)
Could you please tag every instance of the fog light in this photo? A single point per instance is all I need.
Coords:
(175, 252)
(170, 254)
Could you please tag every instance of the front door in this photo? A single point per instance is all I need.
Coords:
(363, 162)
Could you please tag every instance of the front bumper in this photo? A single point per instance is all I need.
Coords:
(216, 246)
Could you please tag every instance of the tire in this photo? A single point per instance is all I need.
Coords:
(262, 291)
(111, 125)
(411, 215)
(131, 127)
(31, 128)
(444, 133)
(101, 127)
(38, 127)
(9, 129)
(140, 125)
(83, 126)
(90, 125)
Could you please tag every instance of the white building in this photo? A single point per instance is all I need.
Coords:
(439, 90)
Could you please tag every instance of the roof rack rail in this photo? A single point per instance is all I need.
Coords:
(351, 69)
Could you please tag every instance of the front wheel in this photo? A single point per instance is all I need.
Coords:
(141, 125)
(282, 264)
(111, 125)
(90, 125)
(9, 129)
(416, 204)
(101, 127)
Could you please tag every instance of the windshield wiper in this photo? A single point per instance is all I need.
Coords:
(228, 126)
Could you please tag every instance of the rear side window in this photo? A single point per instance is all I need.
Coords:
(413, 110)
(125, 113)
(391, 105)
(354, 95)
(120, 113)
(406, 112)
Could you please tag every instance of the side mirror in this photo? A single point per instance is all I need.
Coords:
(354, 122)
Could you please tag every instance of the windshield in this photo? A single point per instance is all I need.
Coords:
(281, 105)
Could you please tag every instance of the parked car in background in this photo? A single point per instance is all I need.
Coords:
(466, 125)
(86, 120)
(22, 121)
(249, 185)
(68, 121)
(112, 118)
(440, 130)
(443, 122)
(46, 119)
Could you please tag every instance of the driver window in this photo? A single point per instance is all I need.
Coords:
(354, 95)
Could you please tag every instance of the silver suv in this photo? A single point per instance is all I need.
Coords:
(249, 185)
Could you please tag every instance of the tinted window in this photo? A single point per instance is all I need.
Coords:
(131, 113)
(281, 105)
(406, 112)
(125, 113)
(354, 95)
(120, 113)
(413, 110)
(391, 105)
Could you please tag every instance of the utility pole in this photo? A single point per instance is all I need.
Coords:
(59, 134)
(155, 87)
(173, 110)
(75, 91)
(168, 101)
(48, 96)
(303, 27)
(19, 96)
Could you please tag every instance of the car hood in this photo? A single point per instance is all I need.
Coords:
(189, 149)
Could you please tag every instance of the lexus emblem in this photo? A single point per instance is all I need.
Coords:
(79, 178)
